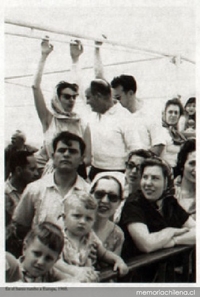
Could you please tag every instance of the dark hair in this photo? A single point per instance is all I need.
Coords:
(128, 83)
(49, 234)
(190, 101)
(108, 177)
(66, 137)
(63, 85)
(141, 153)
(19, 159)
(156, 161)
(100, 86)
(175, 101)
(189, 146)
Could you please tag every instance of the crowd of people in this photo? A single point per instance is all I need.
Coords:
(101, 189)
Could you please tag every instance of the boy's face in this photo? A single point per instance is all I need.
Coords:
(38, 258)
(79, 220)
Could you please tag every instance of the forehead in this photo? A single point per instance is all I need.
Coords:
(37, 245)
(70, 144)
(118, 90)
(173, 107)
(81, 209)
(191, 156)
(153, 170)
(108, 185)
(136, 159)
(31, 161)
(68, 91)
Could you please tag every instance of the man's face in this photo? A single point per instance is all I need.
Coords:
(67, 157)
(38, 258)
(121, 96)
(94, 101)
(17, 141)
(68, 99)
(172, 114)
(30, 172)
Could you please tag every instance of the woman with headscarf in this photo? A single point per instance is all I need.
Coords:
(107, 188)
(62, 118)
(173, 138)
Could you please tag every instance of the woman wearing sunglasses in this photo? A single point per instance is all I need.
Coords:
(107, 188)
(62, 117)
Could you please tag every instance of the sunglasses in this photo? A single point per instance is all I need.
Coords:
(68, 96)
(131, 165)
(111, 197)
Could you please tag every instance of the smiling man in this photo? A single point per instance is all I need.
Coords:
(44, 200)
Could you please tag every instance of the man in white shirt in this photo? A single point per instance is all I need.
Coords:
(149, 125)
(113, 132)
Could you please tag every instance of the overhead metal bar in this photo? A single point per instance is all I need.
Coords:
(84, 68)
(87, 37)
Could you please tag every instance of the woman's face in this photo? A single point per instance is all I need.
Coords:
(68, 99)
(153, 182)
(172, 114)
(189, 171)
(107, 193)
(133, 171)
(190, 108)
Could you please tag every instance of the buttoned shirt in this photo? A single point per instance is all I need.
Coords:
(113, 136)
(42, 201)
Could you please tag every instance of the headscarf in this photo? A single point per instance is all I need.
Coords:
(60, 113)
(177, 137)
(119, 176)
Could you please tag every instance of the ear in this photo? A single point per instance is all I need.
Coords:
(18, 170)
(24, 247)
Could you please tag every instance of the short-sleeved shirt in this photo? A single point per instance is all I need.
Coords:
(113, 136)
(41, 201)
(140, 210)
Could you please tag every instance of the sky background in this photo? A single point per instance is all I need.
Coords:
(164, 28)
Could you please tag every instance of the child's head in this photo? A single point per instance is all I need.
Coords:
(80, 213)
(41, 248)
(190, 106)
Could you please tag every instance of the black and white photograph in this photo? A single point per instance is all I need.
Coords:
(99, 144)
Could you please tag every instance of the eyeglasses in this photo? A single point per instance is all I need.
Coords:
(111, 197)
(131, 165)
(68, 96)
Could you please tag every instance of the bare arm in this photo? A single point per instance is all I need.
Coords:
(98, 66)
(148, 242)
(112, 258)
(44, 114)
(87, 139)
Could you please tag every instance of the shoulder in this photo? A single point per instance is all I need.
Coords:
(31, 148)
(81, 184)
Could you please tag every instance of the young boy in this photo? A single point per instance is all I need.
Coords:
(41, 249)
(80, 210)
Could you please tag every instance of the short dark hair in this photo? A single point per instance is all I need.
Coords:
(175, 101)
(141, 153)
(128, 83)
(108, 177)
(63, 85)
(190, 101)
(100, 86)
(49, 234)
(19, 159)
(188, 146)
(66, 137)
